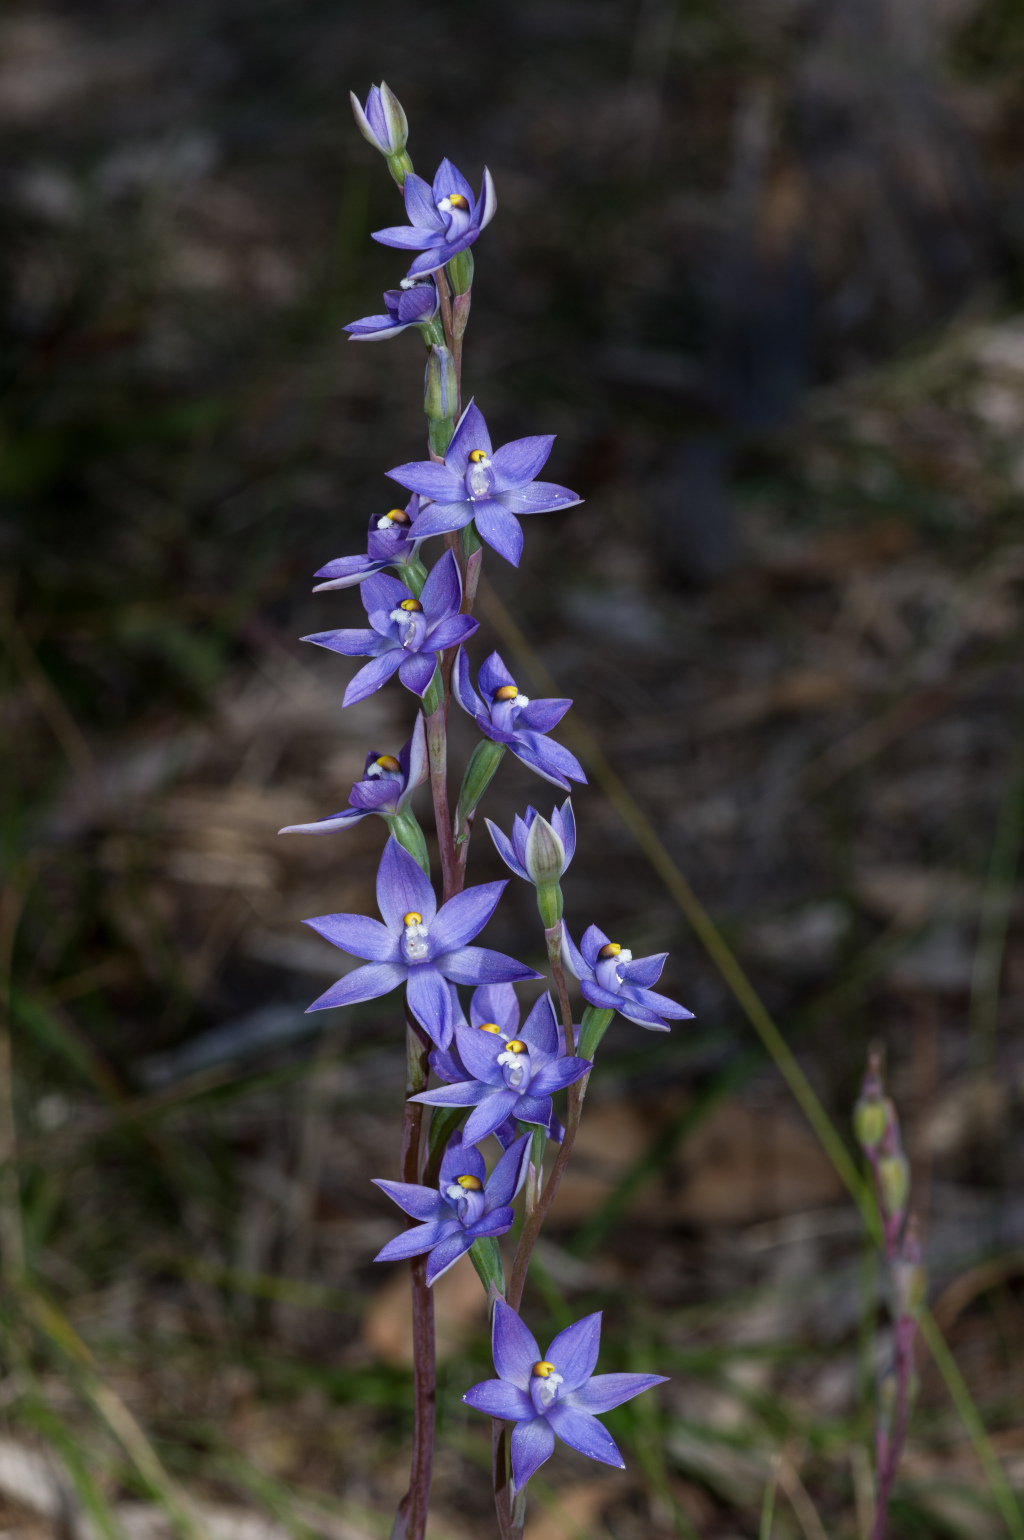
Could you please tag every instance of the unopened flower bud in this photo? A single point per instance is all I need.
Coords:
(460, 271)
(439, 384)
(894, 1181)
(908, 1276)
(545, 854)
(869, 1114)
(382, 122)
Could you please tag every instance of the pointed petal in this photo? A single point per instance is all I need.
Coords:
(585, 1433)
(415, 757)
(497, 1398)
(574, 1351)
(371, 676)
(479, 1052)
(558, 1074)
(493, 676)
(414, 1242)
(534, 1109)
(539, 497)
(540, 1029)
(548, 759)
(407, 238)
(603, 1391)
(487, 206)
(572, 957)
(495, 1221)
(568, 827)
(362, 984)
(451, 632)
(503, 846)
(351, 644)
(420, 203)
(593, 940)
(517, 464)
(342, 820)
(429, 480)
(479, 965)
(470, 433)
(402, 888)
(446, 1253)
(491, 1111)
(461, 1159)
(442, 592)
(495, 1003)
(644, 970)
(430, 1002)
(448, 179)
(513, 1347)
(416, 671)
(661, 1004)
(358, 934)
(500, 530)
(509, 1174)
(462, 687)
(465, 916)
(465, 1093)
(442, 518)
(419, 1202)
(532, 1443)
(593, 993)
(540, 716)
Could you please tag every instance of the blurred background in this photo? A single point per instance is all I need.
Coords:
(758, 263)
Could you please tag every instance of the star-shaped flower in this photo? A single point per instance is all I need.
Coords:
(466, 1204)
(513, 1071)
(386, 786)
(418, 945)
(445, 218)
(611, 980)
(407, 633)
(507, 716)
(485, 485)
(559, 1393)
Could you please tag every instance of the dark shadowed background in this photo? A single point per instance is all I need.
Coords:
(758, 266)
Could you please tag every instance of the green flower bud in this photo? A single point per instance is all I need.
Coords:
(483, 762)
(440, 387)
(894, 1181)
(460, 271)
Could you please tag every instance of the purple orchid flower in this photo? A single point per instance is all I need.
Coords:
(611, 980)
(489, 486)
(512, 1071)
(411, 304)
(513, 851)
(393, 542)
(418, 945)
(558, 1393)
(407, 633)
(382, 122)
(492, 1005)
(466, 1204)
(445, 218)
(386, 786)
(507, 716)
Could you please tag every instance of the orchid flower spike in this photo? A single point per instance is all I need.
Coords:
(466, 1205)
(558, 1393)
(418, 945)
